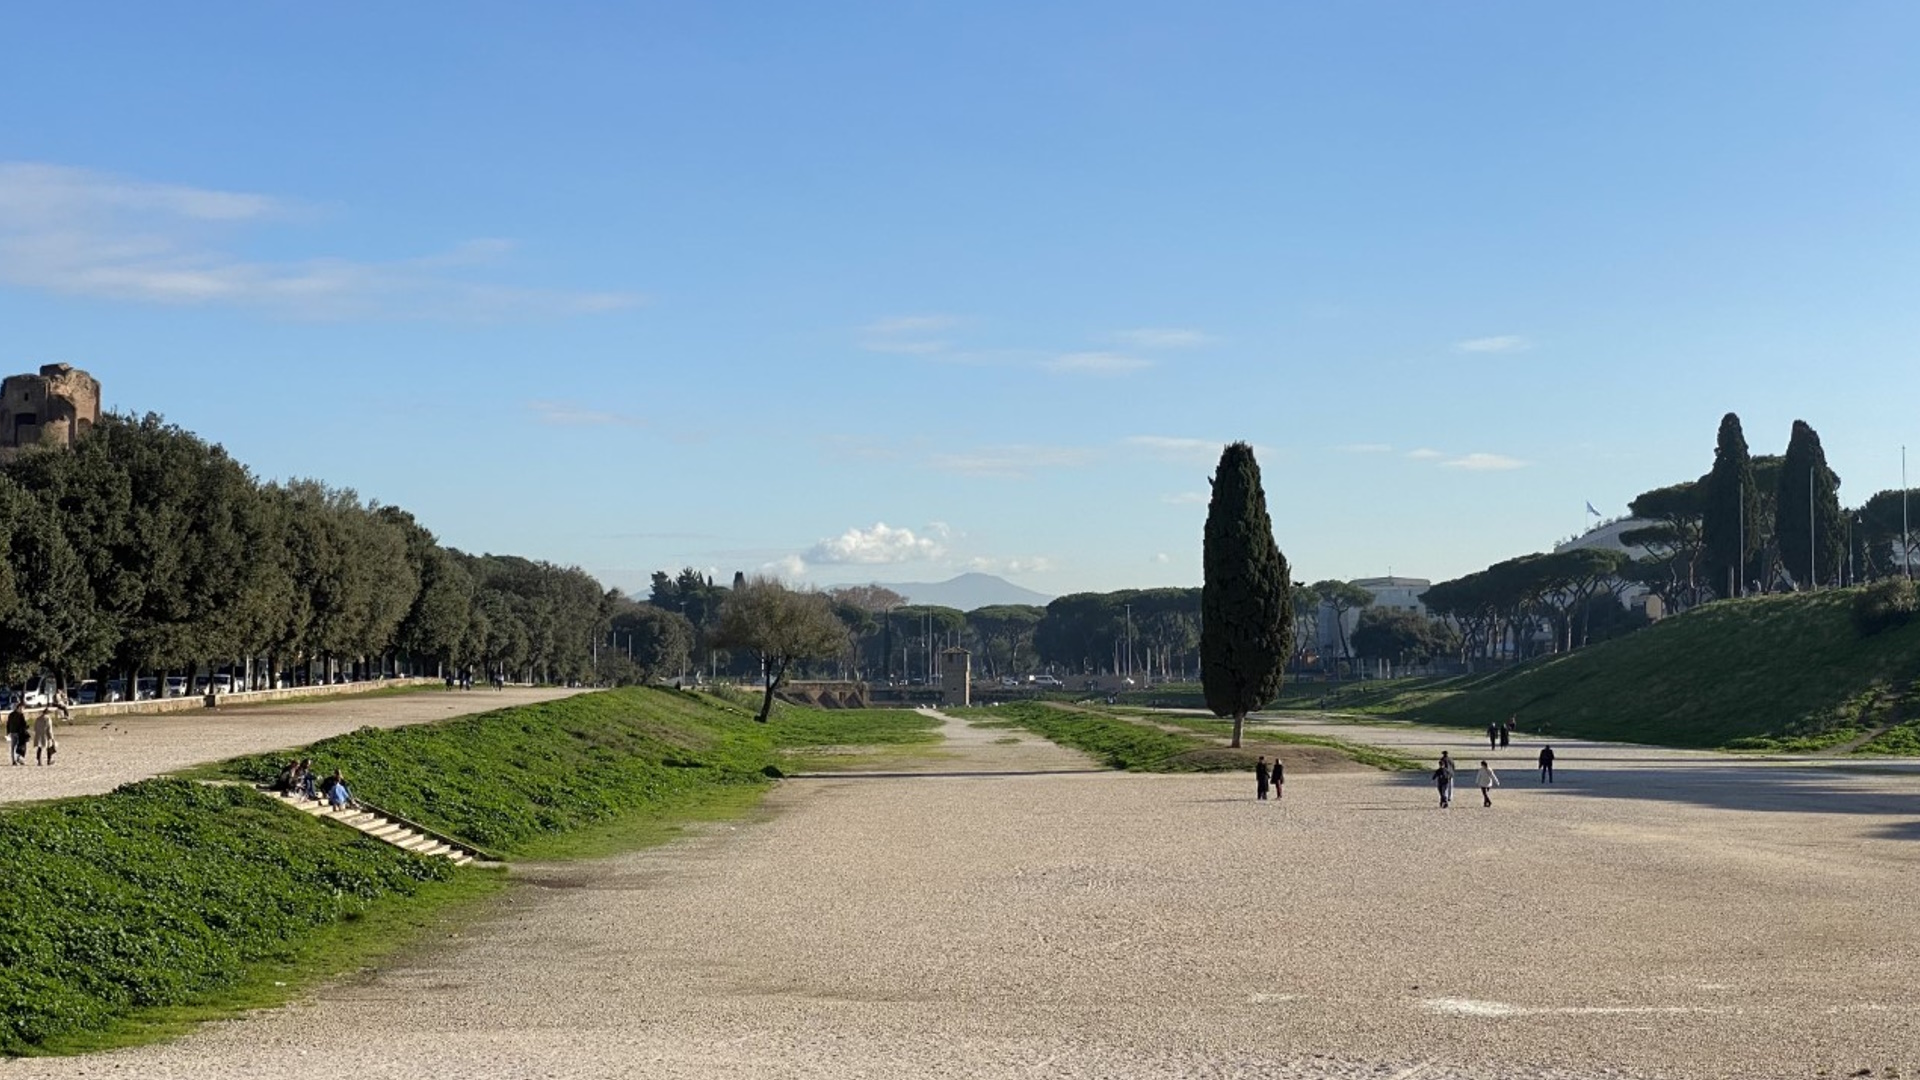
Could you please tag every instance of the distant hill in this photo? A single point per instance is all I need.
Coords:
(967, 592)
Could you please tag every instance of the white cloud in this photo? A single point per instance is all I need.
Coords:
(1505, 343)
(1425, 454)
(1483, 462)
(1185, 498)
(1161, 338)
(1161, 558)
(1366, 448)
(568, 414)
(786, 568)
(1011, 461)
(873, 547)
(79, 232)
(1095, 363)
(910, 335)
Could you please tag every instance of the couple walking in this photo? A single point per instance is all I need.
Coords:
(1262, 777)
(1486, 780)
(44, 745)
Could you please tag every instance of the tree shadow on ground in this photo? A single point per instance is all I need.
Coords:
(1753, 788)
(855, 774)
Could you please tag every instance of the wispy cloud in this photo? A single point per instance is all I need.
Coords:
(1483, 462)
(1012, 564)
(909, 335)
(875, 546)
(1160, 558)
(569, 414)
(1366, 448)
(1505, 343)
(1425, 454)
(1178, 448)
(1095, 363)
(1161, 338)
(85, 233)
(1011, 462)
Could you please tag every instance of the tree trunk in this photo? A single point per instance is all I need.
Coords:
(1239, 723)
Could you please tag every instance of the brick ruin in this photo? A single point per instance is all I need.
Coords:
(53, 408)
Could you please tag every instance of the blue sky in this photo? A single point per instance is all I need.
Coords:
(889, 291)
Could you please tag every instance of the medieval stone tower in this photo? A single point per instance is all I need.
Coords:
(53, 408)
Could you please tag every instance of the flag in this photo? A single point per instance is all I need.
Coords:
(1592, 511)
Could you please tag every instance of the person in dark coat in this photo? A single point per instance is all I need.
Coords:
(1546, 764)
(1506, 734)
(1443, 779)
(1279, 778)
(1260, 776)
(1493, 736)
(17, 734)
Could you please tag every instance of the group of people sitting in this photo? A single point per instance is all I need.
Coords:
(298, 778)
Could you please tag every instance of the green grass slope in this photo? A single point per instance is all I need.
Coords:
(1772, 672)
(125, 916)
(516, 780)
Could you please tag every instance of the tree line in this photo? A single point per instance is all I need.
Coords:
(146, 549)
(1751, 523)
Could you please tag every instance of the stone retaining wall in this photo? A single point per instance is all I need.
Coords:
(247, 697)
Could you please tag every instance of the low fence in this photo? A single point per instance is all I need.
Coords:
(243, 697)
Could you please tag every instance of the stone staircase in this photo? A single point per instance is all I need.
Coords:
(389, 828)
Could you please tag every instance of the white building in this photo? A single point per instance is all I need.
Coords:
(1393, 593)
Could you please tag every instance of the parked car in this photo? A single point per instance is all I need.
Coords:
(1053, 681)
(38, 693)
(116, 690)
(87, 693)
(146, 688)
(176, 686)
(223, 684)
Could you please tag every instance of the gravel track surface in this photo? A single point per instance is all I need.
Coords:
(1009, 913)
(99, 755)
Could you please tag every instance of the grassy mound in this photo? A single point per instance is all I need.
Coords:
(1773, 672)
(515, 780)
(123, 916)
(165, 891)
(1116, 743)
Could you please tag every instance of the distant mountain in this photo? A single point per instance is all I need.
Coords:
(967, 592)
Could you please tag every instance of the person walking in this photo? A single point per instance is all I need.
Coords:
(43, 744)
(1486, 780)
(1443, 779)
(1546, 764)
(1260, 778)
(1279, 778)
(1506, 734)
(1493, 735)
(17, 734)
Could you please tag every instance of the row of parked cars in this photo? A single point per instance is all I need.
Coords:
(38, 692)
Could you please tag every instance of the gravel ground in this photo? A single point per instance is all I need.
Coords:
(101, 754)
(1008, 913)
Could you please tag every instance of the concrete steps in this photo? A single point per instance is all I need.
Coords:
(386, 828)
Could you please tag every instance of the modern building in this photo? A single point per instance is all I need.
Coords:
(1393, 593)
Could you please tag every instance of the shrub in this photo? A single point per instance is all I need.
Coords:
(1885, 604)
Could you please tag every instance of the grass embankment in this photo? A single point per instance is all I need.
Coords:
(1141, 743)
(1258, 733)
(1783, 673)
(1115, 742)
(128, 915)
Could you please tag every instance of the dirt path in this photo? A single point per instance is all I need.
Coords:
(100, 755)
(1655, 914)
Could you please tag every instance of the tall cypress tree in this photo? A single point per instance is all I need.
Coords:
(1810, 530)
(1730, 527)
(1246, 599)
